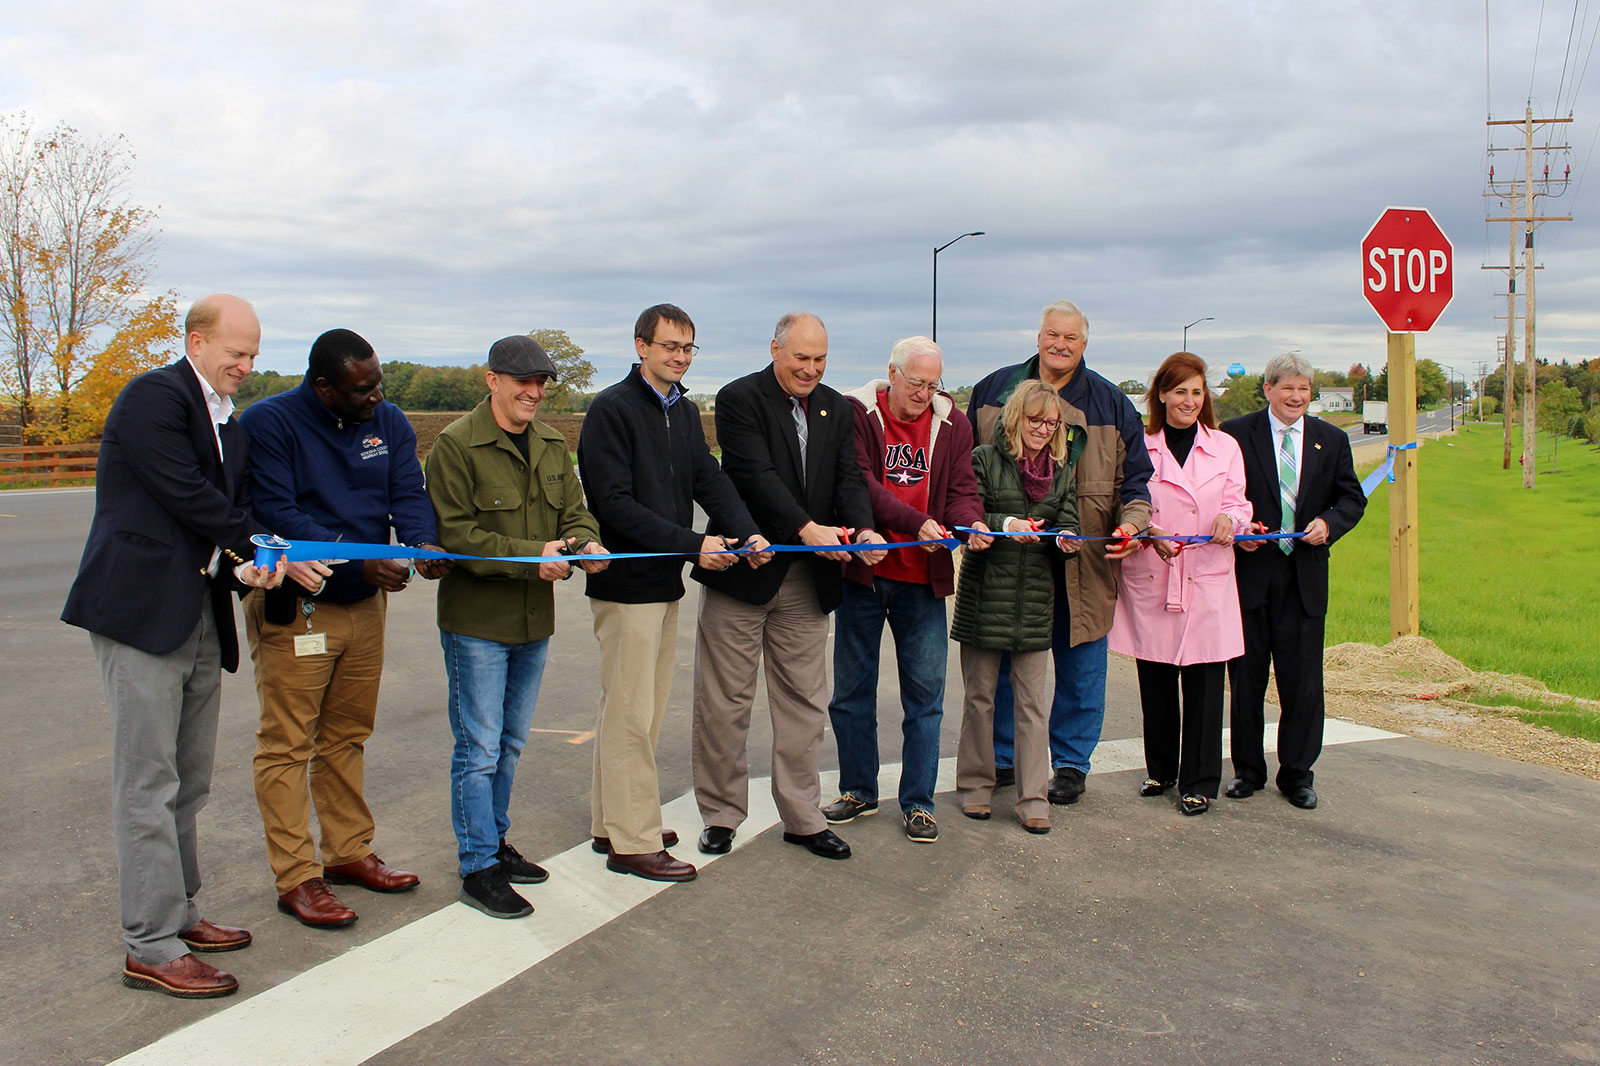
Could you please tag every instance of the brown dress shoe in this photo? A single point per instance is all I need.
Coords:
(602, 845)
(656, 866)
(185, 977)
(370, 872)
(208, 936)
(314, 903)
(1037, 825)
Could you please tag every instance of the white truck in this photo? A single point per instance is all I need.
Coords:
(1374, 416)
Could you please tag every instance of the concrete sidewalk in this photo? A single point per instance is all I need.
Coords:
(1439, 907)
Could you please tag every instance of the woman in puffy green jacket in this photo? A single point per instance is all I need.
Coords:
(1005, 599)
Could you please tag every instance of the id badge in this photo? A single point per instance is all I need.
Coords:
(310, 644)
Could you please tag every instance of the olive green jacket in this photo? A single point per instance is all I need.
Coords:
(492, 502)
(1006, 597)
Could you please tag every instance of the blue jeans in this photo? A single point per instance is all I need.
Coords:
(493, 689)
(1079, 709)
(916, 618)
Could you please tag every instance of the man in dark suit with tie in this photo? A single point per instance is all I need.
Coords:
(1298, 476)
(788, 445)
(170, 535)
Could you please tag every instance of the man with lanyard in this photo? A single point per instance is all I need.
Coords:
(643, 459)
(330, 460)
(915, 450)
(502, 484)
(1113, 477)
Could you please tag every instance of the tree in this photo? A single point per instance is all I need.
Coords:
(573, 371)
(75, 319)
(1132, 387)
(1243, 396)
(1558, 404)
(1432, 385)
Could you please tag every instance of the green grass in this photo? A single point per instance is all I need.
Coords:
(1510, 580)
(1563, 716)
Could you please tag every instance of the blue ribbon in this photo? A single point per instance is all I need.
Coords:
(269, 549)
(1186, 538)
(1385, 469)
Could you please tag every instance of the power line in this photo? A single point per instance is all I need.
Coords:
(1537, 35)
(1566, 54)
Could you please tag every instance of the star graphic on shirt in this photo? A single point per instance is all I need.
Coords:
(901, 478)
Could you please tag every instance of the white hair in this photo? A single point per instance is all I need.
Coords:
(1287, 365)
(909, 348)
(1064, 307)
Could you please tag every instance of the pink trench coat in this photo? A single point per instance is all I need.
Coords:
(1188, 611)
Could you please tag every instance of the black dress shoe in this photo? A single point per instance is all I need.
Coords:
(1153, 787)
(1194, 803)
(1005, 776)
(825, 844)
(1068, 784)
(1240, 789)
(716, 840)
(1303, 796)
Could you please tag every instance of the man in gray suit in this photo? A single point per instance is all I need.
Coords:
(170, 537)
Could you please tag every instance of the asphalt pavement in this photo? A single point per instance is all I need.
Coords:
(1438, 907)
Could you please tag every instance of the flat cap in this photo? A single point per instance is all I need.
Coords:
(520, 357)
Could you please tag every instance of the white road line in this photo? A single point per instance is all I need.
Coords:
(346, 1010)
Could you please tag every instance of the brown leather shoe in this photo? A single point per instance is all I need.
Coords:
(656, 866)
(1037, 825)
(602, 845)
(370, 872)
(185, 977)
(208, 936)
(314, 903)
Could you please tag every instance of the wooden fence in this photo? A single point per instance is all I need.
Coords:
(29, 467)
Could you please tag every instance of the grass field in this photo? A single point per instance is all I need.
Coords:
(1510, 578)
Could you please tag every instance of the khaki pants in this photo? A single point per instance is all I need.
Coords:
(1030, 681)
(790, 633)
(317, 712)
(637, 645)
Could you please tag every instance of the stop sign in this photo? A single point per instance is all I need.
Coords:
(1407, 269)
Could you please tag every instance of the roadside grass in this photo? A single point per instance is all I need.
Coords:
(1509, 577)
(1562, 716)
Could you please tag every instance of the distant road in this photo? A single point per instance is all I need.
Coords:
(1427, 422)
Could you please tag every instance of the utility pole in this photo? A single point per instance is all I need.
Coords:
(1529, 220)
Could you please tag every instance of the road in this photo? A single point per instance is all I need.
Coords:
(1439, 905)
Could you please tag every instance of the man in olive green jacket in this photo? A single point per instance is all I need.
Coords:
(502, 484)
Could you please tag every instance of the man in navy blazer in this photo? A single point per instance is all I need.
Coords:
(1283, 585)
(788, 446)
(170, 535)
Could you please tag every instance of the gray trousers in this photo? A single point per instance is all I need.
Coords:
(790, 635)
(164, 711)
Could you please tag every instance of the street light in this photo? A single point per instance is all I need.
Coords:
(1450, 392)
(936, 251)
(1196, 322)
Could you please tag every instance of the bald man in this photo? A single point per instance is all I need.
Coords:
(169, 543)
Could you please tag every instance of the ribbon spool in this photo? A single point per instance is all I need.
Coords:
(269, 550)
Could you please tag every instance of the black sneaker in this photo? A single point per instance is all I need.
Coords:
(921, 828)
(520, 871)
(1067, 786)
(490, 892)
(1005, 776)
(847, 808)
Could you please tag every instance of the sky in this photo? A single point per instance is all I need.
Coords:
(436, 176)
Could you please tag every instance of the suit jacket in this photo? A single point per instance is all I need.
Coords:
(163, 503)
(761, 455)
(1329, 490)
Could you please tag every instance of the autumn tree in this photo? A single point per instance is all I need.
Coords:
(573, 371)
(78, 321)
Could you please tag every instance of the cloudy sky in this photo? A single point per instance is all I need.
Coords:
(437, 175)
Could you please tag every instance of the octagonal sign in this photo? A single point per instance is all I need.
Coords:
(1407, 269)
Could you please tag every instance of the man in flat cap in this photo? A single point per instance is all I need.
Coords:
(502, 484)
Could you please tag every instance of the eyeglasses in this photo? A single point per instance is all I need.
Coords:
(1052, 424)
(673, 347)
(918, 385)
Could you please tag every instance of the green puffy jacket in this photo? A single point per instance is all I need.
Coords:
(1005, 598)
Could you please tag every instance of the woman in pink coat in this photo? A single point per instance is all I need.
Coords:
(1178, 609)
